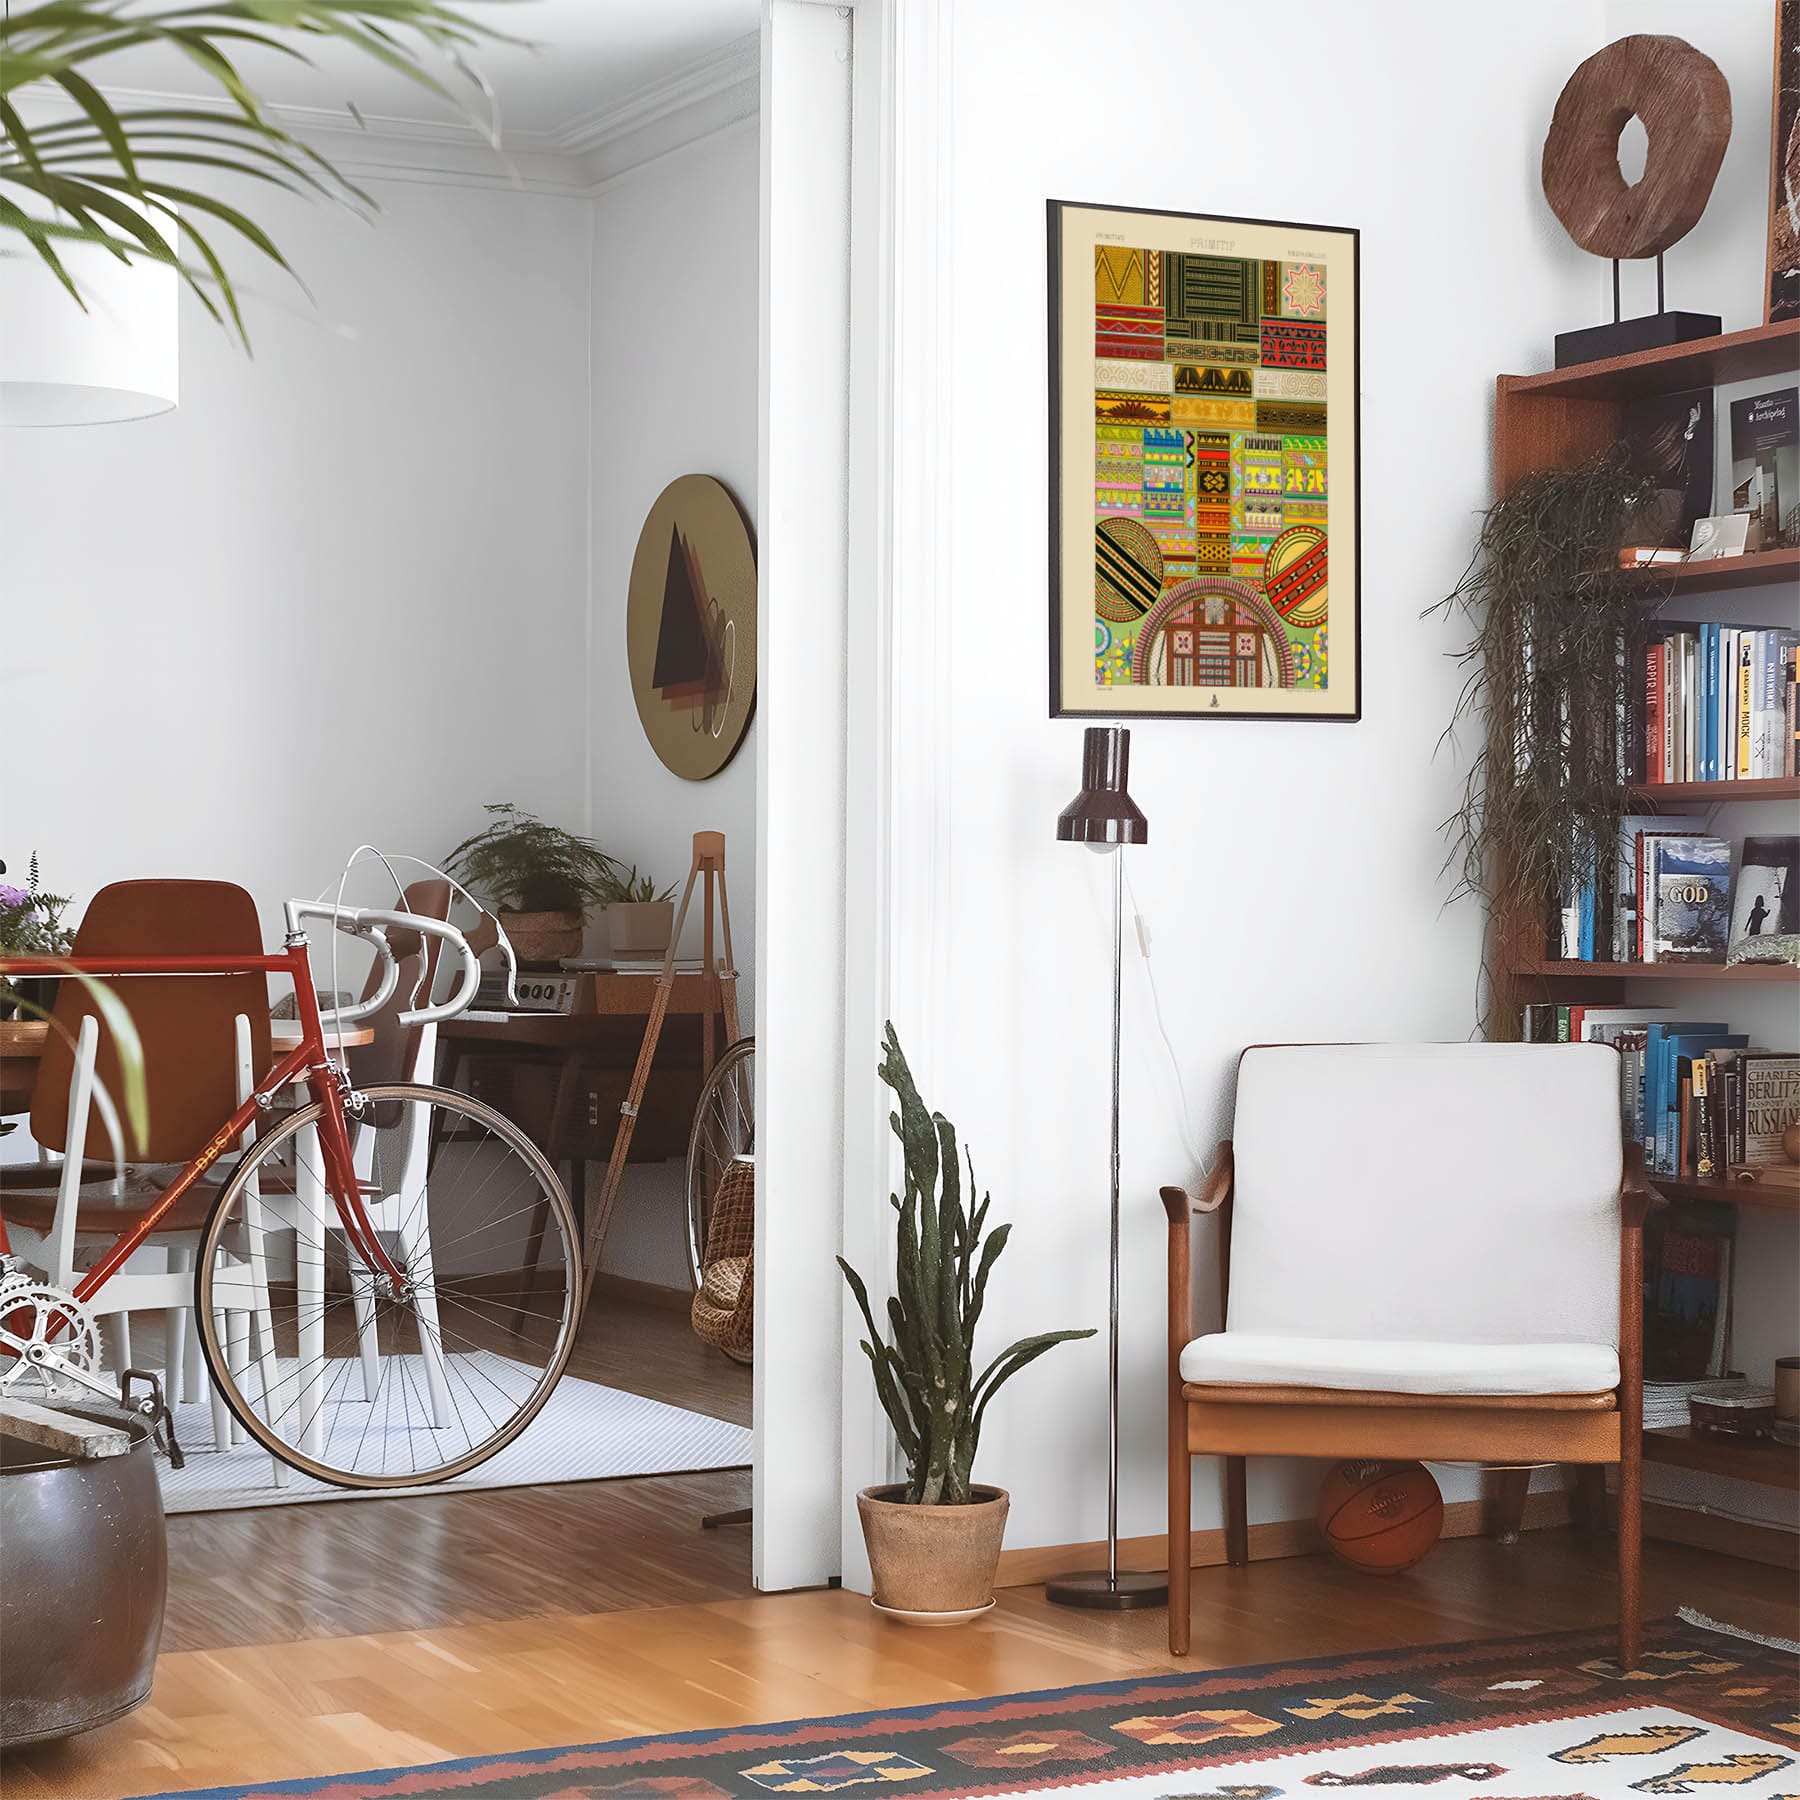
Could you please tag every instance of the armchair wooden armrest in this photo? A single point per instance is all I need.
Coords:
(1179, 1204)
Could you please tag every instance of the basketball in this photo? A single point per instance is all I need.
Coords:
(1380, 1517)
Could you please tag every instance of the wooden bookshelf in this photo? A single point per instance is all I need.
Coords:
(1765, 1197)
(1551, 970)
(1759, 568)
(1763, 350)
(1562, 417)
(1714, 793)
(1743, 1459)
(1558, 420)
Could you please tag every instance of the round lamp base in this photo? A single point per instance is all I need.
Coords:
(1099, 1592)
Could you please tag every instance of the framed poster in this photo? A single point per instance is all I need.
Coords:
(1203, 466)
(1783, 300)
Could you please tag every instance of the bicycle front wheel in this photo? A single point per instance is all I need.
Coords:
(348, 1375)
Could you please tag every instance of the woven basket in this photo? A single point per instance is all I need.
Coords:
(723, 1313)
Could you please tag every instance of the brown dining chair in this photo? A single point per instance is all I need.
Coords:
(197, 1036)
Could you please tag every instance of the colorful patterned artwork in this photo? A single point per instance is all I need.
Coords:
(1204, 466)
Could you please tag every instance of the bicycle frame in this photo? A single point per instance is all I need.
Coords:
(308, 1061)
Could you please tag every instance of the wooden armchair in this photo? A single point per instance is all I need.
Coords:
(1428, 1251)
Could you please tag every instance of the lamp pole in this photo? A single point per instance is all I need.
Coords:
(1104, 817)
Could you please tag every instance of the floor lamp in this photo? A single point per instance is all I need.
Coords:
(1104, 817)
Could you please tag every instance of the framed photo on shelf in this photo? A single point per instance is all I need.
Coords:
(1204, 478)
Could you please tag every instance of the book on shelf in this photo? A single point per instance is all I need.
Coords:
(1714, 702)
(1765, 460)
(1634, 828)
(1669, 438)
(1686, 899)
(1674, 893)
(1687, 1293)
(1768, 1102)
(1765, 898)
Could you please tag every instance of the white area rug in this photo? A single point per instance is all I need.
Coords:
(586, 1432)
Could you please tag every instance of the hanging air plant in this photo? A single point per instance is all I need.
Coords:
(1548, 680)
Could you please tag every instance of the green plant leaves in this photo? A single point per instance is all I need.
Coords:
(941, 1268)
(60, 179)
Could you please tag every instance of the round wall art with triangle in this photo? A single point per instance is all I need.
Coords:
(690, 626)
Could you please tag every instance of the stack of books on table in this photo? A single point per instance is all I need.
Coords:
(1718, 704)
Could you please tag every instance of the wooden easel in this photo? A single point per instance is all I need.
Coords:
(721, 996)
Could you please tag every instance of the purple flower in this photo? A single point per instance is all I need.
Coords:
(12, 897)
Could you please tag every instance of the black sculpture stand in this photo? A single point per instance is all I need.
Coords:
(1625, 337)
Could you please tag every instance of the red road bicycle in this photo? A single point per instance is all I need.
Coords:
(387, 1281)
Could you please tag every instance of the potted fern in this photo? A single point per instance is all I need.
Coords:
(934, 1539)
(542, 878)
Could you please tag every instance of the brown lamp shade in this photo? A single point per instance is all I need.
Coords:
(1103, 812)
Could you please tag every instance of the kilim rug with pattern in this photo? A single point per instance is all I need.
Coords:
(1544, 1718)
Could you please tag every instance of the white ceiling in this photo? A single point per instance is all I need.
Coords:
(588, 60)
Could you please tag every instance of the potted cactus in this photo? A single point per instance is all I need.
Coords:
(934, 1539)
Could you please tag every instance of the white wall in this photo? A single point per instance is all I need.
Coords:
(374, 528)
(674, 347)
(410, 518)
(1292, 879)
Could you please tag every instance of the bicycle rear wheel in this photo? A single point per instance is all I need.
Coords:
(724, 1127)
(333, 1367)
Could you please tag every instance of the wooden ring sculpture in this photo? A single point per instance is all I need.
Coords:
(1684, 102)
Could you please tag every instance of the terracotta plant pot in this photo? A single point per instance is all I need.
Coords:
(640, 928)
(541, 940)
(934, 1565)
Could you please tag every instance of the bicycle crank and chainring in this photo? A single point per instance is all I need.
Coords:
(47, 1339)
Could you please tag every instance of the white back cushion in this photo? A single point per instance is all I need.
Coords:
(1456, 1192)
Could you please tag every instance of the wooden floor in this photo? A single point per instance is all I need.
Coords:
(334, 1568)
(336, 1704)
(315, 1640)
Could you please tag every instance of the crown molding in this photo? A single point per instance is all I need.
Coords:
(706, 96)
(721, 73)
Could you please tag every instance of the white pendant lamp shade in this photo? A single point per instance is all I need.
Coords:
(61, 366)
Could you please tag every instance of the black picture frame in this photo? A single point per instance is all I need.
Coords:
(1346, 706)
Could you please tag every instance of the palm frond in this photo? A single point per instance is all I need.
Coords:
(121, 179)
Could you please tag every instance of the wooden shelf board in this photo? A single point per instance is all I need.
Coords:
(1757, 569)
(1771, 1198)
(1703, 362)
(1776, 787)
(1759, 1460)
(1656, 971)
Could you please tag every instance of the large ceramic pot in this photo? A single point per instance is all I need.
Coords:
(540, 940)
(933, 1565)
(85, 1568)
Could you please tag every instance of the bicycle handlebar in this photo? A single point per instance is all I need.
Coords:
(373, 925)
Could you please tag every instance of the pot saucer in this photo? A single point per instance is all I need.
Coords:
(901, 1616)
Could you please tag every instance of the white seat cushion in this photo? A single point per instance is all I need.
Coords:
(1395, 1366)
